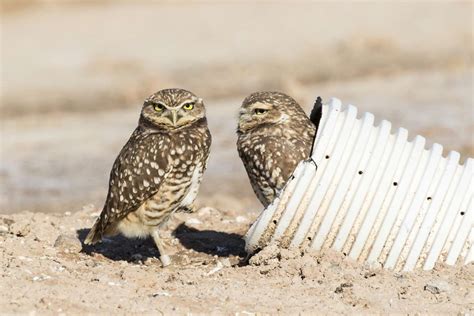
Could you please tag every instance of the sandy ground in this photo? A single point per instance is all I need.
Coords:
(44, 264)
(73, 77)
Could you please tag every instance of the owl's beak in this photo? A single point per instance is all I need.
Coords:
(174, 116)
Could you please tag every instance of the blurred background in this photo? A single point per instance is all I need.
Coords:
(74, 75)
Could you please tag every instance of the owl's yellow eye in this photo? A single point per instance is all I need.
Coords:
(158, 107)
(188, 106)
(260, 111)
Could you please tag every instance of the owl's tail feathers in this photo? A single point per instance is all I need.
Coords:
(94, 235)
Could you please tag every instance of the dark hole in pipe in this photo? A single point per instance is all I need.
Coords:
(361, 172)
(274, 221)
(315, 117)
(395, 184)
(462, 213)
(429, 198)
(309, 238)
(327, 156)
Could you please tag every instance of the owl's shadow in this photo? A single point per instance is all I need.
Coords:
(209, 242)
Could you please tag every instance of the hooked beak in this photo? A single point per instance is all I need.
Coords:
(174, 116)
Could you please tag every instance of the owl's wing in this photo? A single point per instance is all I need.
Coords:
(273, 160)
(136, 175)
(293, 153)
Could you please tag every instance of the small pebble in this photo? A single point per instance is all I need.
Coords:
(241, 219)
(369, 274)
(341, 287)
(441, 285)
(8, 221)
(206, 211)
(151, 261)
(91, 263)
(25, 258)
(193, 221)
(160, 294)
(3, 229)
(19, 229)
(432, 289)
(69, 243)
(218, 267)
(226, 262)
(41, 277)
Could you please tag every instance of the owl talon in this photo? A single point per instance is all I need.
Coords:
(165, 260)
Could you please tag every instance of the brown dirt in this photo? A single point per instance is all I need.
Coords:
(50, 272)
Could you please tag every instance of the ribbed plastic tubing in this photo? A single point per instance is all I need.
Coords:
(375, 196)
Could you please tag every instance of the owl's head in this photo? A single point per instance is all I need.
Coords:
(268, 109)
(171, 109)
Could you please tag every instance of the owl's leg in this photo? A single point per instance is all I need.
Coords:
(164, 258)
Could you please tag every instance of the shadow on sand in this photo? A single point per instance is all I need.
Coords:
(210, 241)
(205, 241)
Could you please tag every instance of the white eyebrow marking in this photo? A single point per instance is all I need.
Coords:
(260, 105)
(192, 100)
(153, 103)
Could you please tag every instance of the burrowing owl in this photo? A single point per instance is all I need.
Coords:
(159, 169)
(274, 134)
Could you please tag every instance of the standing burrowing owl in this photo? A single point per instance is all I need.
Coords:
(159, 169)
(274, 134)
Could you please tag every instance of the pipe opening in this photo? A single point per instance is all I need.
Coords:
(315, 118)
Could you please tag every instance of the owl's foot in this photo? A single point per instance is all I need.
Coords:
(164, 258)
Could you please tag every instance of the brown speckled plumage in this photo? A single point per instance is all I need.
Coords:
(159, 169)
(274, 134)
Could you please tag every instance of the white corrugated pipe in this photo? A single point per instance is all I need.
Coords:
(375, 196)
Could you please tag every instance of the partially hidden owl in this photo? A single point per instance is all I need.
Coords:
(159, 169)
(274, 135)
